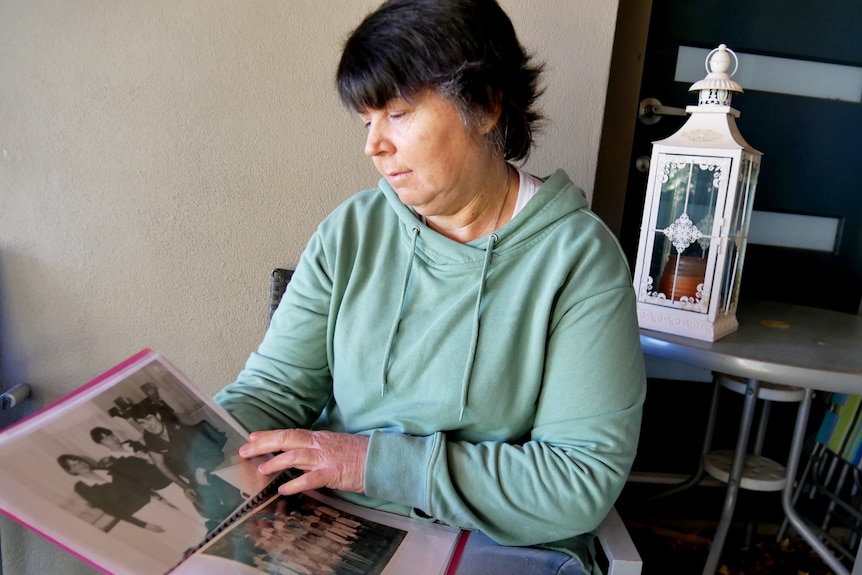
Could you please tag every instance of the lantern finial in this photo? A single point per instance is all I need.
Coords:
(717, 87)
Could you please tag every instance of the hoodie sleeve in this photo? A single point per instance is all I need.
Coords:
(286, 382)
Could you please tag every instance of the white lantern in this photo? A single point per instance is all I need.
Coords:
(698, 204)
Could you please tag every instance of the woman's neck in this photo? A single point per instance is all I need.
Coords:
(487, 211)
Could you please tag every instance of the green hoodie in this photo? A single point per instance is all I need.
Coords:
(501, 381)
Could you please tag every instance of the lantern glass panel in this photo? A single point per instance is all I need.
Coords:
(691, 190)
(737, 234)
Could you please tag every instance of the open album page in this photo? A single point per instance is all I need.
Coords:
(130, 472)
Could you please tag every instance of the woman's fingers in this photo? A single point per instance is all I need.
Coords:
(333, 460)
(306, 481)
(264, 442)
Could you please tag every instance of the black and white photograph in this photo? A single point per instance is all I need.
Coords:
(137, 463)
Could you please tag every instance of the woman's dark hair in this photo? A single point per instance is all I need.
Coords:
(97, 434)
(467, 50)
(142, 410)
(66, 460)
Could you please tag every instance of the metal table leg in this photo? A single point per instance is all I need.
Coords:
(787, 495)
(739, 454)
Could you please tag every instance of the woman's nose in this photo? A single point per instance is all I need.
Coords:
(376, 142)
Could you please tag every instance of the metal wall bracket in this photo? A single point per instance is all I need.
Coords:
(650, 111)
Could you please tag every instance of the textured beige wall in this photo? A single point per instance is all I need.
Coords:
(158, 158)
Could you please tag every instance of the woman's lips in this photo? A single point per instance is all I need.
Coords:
(398, 175)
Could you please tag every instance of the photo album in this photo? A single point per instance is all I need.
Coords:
(137, 473)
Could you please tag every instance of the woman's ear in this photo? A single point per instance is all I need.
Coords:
(492, 114)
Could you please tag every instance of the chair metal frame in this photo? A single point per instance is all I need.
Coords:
(831, 477)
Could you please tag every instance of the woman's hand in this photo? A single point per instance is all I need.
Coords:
(333, 460)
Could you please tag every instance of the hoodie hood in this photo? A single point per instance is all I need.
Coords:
(559, 198)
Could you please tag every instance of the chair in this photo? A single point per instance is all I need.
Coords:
(621, 557)
(832, 479)
(616, 553)
(278, 281)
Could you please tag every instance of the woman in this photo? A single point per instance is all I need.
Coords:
(109, 440)
(459, 343)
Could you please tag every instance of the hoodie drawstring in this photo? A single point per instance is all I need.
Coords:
(474, 339)
(391, 341)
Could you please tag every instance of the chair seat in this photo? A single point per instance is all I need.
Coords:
(758, 474)
(767, 390)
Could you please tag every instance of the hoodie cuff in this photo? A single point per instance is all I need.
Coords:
(396, 467)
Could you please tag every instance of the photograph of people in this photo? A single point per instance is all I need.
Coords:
(118, 491)
(460, 342)
(126, 491)
(147, 475)
(129, 496)
(188, 455)
(299, 534)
